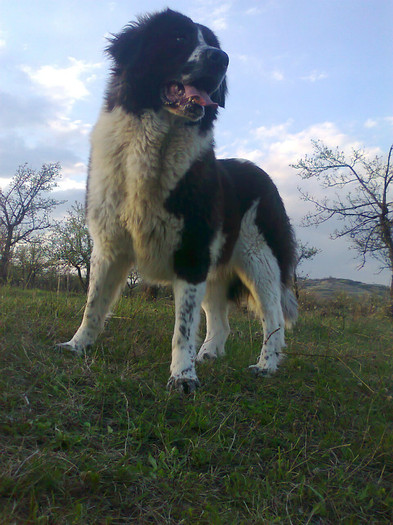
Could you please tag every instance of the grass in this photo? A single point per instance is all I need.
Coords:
(99, 440)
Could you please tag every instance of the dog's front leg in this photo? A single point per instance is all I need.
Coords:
(188, 300)
(108, 275)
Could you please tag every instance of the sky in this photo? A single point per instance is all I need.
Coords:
(299, 70)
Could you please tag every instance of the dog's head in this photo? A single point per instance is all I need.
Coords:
(167, 61)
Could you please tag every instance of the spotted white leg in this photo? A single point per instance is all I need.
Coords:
(266, 293)
(273, 342)
(188, 299)
(215, 306)
(108, 275)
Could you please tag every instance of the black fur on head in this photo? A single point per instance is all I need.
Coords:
(155, 51)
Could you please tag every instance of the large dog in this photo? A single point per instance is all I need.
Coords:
(158, 199)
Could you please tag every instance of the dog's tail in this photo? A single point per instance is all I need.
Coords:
(289, 306)
(238, 292)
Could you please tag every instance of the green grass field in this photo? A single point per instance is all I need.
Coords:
(99, 440)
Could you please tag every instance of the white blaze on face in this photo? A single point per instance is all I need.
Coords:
(195, 55)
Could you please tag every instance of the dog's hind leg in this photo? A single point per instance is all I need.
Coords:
(260, 273)
(188, 299)
(107, 277)
(215, 306)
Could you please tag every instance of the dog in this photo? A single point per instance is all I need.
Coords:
(159, 200)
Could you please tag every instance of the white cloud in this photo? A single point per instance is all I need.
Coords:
(4, 182)
(255, 155)
(64, 85)
(315, 76)
(68, 183)
(73, 177)
(278, 145)
(215, 17)
(291, 146)
(246, 59)
(38, 126)
(370, 123)
(389, 120)
(264, 7)
(76, 169)
(277, 75)
(3, 41)
(66, 127)
(248, 64)
(253, 11)
(279, 130)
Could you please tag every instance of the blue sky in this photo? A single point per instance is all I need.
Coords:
(299, 70)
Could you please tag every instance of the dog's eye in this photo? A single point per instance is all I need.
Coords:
(180, 39)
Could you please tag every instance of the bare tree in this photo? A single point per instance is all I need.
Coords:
(25, 208)
(31, 261)
(72, 243)
(363, 200)
(304, 253)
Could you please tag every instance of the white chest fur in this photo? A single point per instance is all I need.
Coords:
(135, 164)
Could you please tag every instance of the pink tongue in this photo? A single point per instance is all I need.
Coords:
(200, 97)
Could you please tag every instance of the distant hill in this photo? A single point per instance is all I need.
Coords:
(330, 286)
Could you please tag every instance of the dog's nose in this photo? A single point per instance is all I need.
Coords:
(217, 57)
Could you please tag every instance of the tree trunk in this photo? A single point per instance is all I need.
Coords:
(387, 238)
(87, 280)
(3, 269)
(391, 297)
(83, 282)
(5, 259)
(296, 285)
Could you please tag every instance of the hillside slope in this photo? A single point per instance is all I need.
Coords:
(331, 286)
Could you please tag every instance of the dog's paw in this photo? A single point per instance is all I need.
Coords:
(205, 355)
(184, 385)
(71, 346)
(257, 371)
(209, 353)
(203, 358)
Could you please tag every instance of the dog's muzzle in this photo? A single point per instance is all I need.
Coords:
(207, 70)
(202, 75)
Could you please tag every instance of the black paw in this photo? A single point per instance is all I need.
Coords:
(183, 385)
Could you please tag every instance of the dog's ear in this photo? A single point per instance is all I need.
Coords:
(129, 86)
(123, 47)
(219, 95)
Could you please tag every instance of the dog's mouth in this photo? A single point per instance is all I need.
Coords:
(186, 100)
